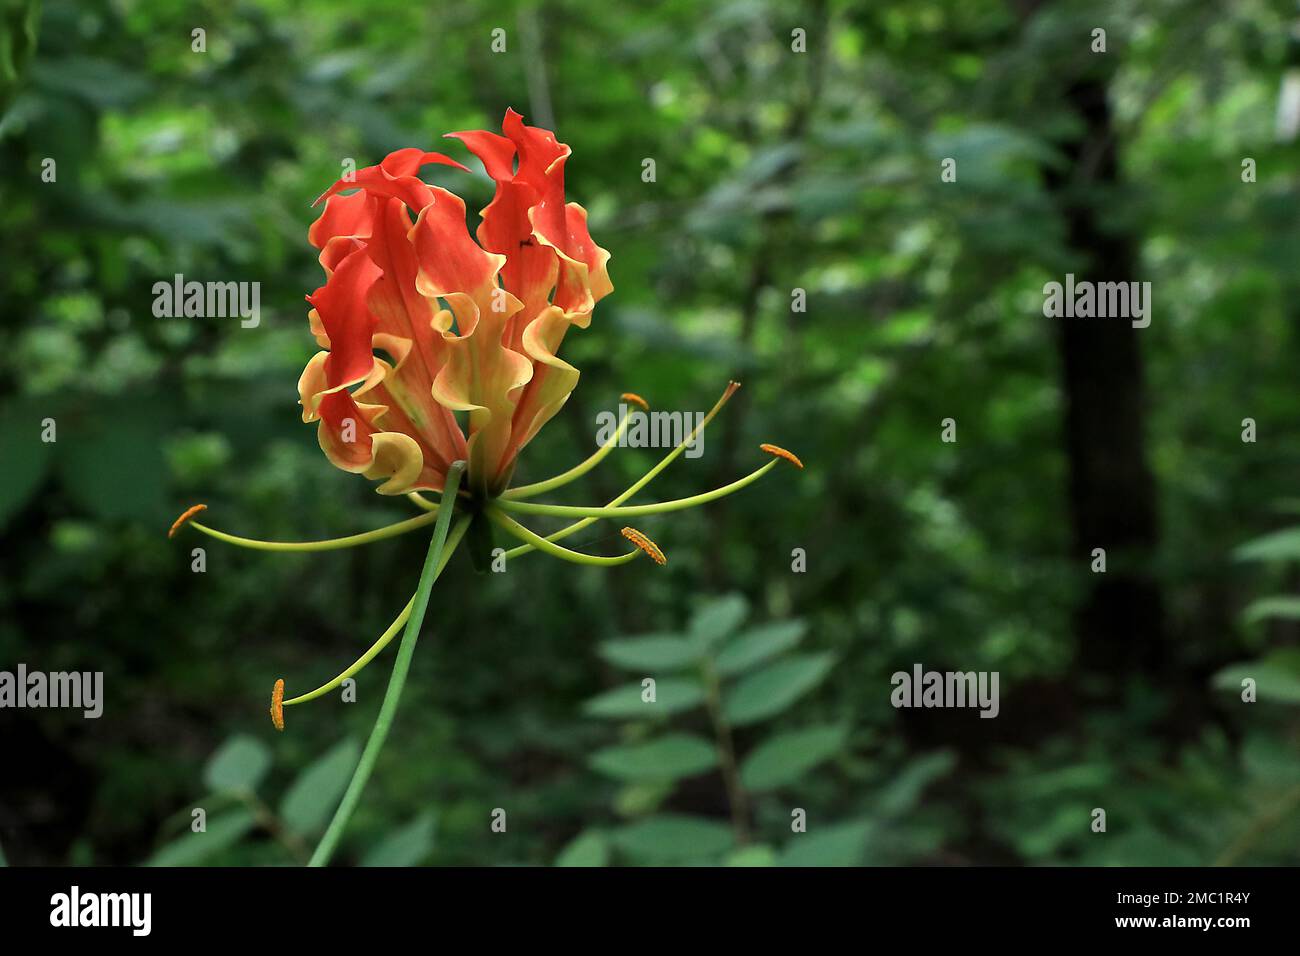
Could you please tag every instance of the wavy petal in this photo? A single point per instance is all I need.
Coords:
(347, 321)
(553, 378)
(351, 440)
(394, 177)
(470, 327)
(409, 327)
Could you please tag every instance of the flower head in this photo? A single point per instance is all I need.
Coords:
(463, 326)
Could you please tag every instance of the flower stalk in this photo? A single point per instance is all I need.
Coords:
(433, 564)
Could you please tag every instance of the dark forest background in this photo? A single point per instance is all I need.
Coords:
(776, 171)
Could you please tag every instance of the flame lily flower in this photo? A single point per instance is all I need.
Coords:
(439, 362)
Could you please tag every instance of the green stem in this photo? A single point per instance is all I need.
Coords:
(272, 824)
(388, 709)
(737, 798)
(453, 539)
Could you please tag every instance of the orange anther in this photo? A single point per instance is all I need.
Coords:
(189, 513)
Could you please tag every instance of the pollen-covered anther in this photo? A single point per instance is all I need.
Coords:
(189, 513)
(780, 452)
(645, 544)
(636, 399)
(277, 704)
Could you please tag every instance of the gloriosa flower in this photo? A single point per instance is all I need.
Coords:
(466, 326)
(440, 363)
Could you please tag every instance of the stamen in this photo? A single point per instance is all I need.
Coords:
(636, 399)
(389, 633)
(186, 516)
(640, 483)
(631, 511)
(577, 471)
(329, 544)
(277, 704)
(422, 501)
(782, 453)
(646, 545)
(530, 537)
(453, 539)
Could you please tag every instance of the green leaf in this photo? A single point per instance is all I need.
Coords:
(759, 854)
(671, 696)
(19, 20)
(768, 692)
(111, 462)
(405, 846)
(840, 845)
(589, 848)
(904, 790)
(1286, 608)
(238, 766)
(1281, 545)
(759, 645)
(99, 81)
(668, 758)
(26, 456)
(718, 619)
(672, 838)
(222, 832)
(1270, 760)
(1276, 676)
(786, 757)
(651, 654)
(307, 804)
(642, 799)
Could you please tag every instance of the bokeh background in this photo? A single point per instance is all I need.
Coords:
(776, 171)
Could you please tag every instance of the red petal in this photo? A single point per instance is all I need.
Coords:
(496, 152)
(406, 315)
(395, 177)
(342, 216)
(341, 304)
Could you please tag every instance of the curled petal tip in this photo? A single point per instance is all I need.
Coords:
(636, 399)
(186, 516)
(780, 452)
(645, 544)
(277, 704)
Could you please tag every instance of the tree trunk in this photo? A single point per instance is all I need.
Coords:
(1112, 492)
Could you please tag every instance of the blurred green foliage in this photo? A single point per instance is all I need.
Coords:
(776, 171)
